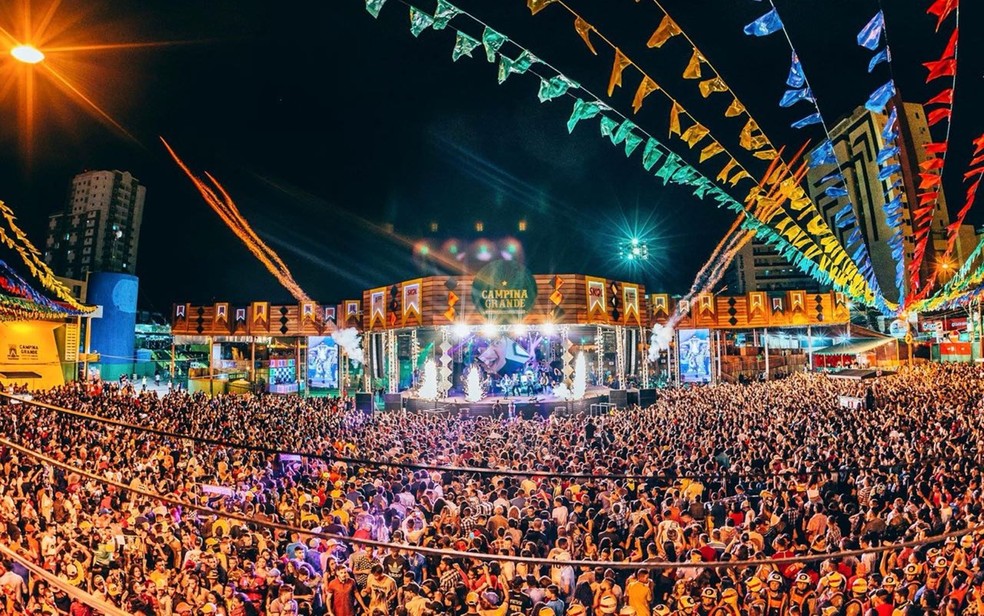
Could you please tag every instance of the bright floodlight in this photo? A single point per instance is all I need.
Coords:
(548, 328)
(27, 54)
(519, 329)
(460, 331)
(489, 330)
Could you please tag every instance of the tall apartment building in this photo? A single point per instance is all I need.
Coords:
(760, 267)
(99, 228)
(857, 140)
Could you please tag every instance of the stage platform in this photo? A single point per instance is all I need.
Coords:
(596, 401)
(861, 374)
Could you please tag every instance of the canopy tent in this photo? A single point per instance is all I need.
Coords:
(879, 352)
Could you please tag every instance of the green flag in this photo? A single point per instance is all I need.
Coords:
(445, 13)
(624, 130)
(651, 154)
(463, 46)
(419, 21)
(608, 126)
(670, 165)
(554, 87)
(374, 6)
(583, 111)
(520, 65)
(492, 41)
(632, 141)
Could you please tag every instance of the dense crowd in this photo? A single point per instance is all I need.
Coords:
(706, 475)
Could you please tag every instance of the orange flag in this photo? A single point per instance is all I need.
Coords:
(735, 109)
(712, 150)
(723, 176)
(675, 112)
(693, 68)
(536, 6)
(712, 85)
(584, 29)
(766, 154)
(694, 134)
(620, 63)
(741, 175)
(646, 87)
(667, 29)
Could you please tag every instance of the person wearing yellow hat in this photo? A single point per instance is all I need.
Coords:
(802, 594)
(607, 604)
(661, 610)
(911, 581)
(858, 603)
(708, 600)
(728, 605)
(688, 606)
(754, 587)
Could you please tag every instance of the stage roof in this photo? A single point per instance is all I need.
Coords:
(855, 346)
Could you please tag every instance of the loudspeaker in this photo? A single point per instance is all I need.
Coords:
(632, 397)
(393, 402)
(647, 397)
(363, 403)
(618, 397)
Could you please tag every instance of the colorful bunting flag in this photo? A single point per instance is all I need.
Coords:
(584, 31)
(675, 112)
(492, 41)
(880, 97)
(942, 10)
(712, 85)
(882, 56)
(463, 46)
(553, 87)
(584, 110)
(536, 6)
(519, 66)
(621, 61)
(869, 36)
(943, 98)
(651, 154)
(734, 109)
(444, 14)
(796, 78)
(946, 67)
(632, 141)
(646, 87)
(710, 151)
(791, 97)
(670, 165)
(723, 175)
(937, 115)
(667, 29)
(694, 134)
(419, 21)
(765, 25)
(374, 7)
(693, 67)
(813, 118)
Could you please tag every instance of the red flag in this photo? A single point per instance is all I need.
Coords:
(973, 172)
(937, 115)
(943, 98)
(942, 10)
(940, 68)
(932, 163)
(979, 144)
(928, 197)
(951, 47)
(928, 180)
(977, 161)
(937, 148)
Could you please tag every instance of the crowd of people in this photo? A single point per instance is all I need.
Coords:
(691, 507)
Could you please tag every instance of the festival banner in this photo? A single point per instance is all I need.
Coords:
(377, 307)
(661, 304)
(221, 315)
(411, 301)
(756, 303)
(308, 311)
(240, 317)
(181, 312)
(595, 289)
(329, 314)
(351, 310)
(705, 303)
(797, 301)
(630, 301)
(777, 306)
(261, 313)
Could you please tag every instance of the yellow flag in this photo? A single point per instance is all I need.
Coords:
(812, 252)
(741, 175)
(693, 67)
(712, 150)
(745, 137)
(723, 176)
(536, 6)
(694, 134)
(799, 203)
(735, 109)
(769, 154)
(712, 85)
(646, 87)
(667, 28)
(584, 29)
(620, 63)
(675, 112)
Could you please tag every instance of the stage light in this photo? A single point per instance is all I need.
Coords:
(461, 331)
(27, 54)
(519, 329)
(548, 328)
(489, 330)
(635, 241)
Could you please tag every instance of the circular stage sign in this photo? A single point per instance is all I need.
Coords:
(503, 290)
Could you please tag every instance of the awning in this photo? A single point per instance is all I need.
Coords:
(855, 346)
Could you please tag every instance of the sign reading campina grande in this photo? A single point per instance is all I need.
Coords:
(503, 289)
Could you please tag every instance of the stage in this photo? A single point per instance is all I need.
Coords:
(597, 400)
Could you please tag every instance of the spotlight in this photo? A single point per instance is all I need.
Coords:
(519, 329)
(461, 331)
(548, 328)
(489, 330)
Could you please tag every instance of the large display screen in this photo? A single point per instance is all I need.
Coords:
(322, 362)
(695, 355)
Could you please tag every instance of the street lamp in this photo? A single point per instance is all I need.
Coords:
(28, 54)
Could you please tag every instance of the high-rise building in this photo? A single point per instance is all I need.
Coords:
(760, 267)
(857, 140)
(99, 228)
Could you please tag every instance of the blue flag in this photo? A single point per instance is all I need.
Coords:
(882, 56)
(835, 191)
(813, 118)
(893, 116)
(837, 175)
(885, 153)
(869, 35)
(791, 97)
(823, 155)
(887, 172)
(880, 97)
(765, 25)
(796, 77)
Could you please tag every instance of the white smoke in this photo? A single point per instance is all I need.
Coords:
(580, 377)
(473, 387)
(562, 391)
(660, 340)
(428, 387)
(350, 341)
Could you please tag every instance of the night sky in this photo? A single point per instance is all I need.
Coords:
(325, 123)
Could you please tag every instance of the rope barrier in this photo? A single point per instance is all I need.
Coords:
(480, 555)
(710, 477)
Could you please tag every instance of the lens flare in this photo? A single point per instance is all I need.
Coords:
(27, 54)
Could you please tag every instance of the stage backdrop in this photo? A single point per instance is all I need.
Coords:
(695, 355)
(322, 362)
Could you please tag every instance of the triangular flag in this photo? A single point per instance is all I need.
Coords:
(646, 87)
(723, 176)
(519, 66)
(769, 154)
(584, 110)
(713, 149)
(554, 87)
(951, 46)
(608, 127)
(943, 98)
(712, 85)
(741, 175)
(882, 56)
(675, 112)
(940, 68)
(621, 61)
(632, 141)
(871, 33)
(813, 118)
(942, 10)
(651, 154)
(624, 130)
(374, 6)
(444, 13)
(765, 25)
(419, 21)
(492, 41)
(694, 134)
(937, 115)
(584, 30)
(536, 6)
(734, 109)
(667, 28)
(463, 46)
(693, 67)
(796, 77)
